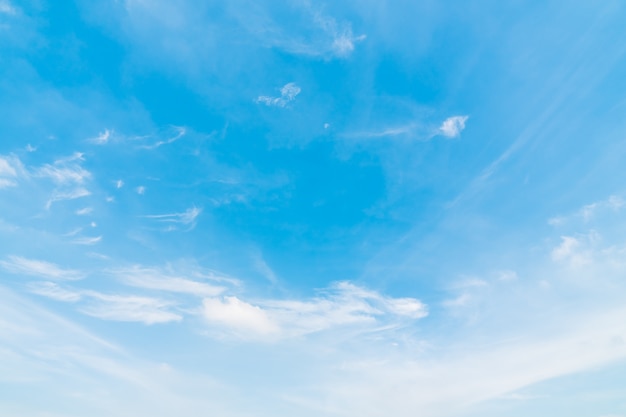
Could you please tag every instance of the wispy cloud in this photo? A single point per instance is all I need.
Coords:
(288, 93)
(102, 138)
(589, 212)
(54, 291)
(343, 41)
(65, 171)
(453, 126)
(11, 169)
(343, 304)
(156, 279)
(37, 268)
(179, 132)
(67, 195)
(85, 240)
(326, 38)
(131, 308)
(84, 211)
(188, 217)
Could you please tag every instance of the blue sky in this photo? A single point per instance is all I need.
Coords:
(316, 209)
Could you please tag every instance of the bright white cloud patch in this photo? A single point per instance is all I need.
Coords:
(287, 94)
(238, 316)
(453, 126)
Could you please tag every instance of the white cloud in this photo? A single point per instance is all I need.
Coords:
(342, 40)
(67, 195)
(119, 184)
(179, 133)
(453, 126)
(576, 251)
(238, 316)
(53, 291)
(11, 169)
(41, 269)
(102, 138)
(65, 171)
(6, 167)
(590, 212)
(131, 308)
(287, 94)
(156, 279)
(188, 217)
(85, 240)
(6, 183)
(84, 211)
(343, 304)
(141, 190)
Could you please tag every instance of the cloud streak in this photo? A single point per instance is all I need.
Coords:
(129, 308)
(342, 304)
(41, 269)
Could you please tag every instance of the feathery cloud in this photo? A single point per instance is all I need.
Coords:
(342, 39)
(342, 304)
(11, 169)
(156, 279)
(102, 138)
(188, 217)
(54, 291)
(65, 171)
(288, 93)
(130, 308)
(42, 269)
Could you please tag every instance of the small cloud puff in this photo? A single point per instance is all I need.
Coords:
(453, 126)
(287, 94)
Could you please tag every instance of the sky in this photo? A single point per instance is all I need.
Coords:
(333, 209)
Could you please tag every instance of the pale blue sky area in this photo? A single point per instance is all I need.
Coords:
(354, 208)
